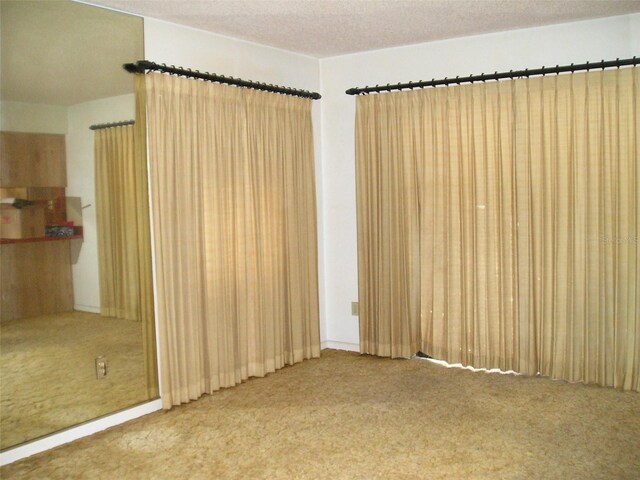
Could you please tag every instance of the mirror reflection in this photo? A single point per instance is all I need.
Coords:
(65, 357)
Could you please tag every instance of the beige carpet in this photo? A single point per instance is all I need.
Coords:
(347, 416)
(47, 372)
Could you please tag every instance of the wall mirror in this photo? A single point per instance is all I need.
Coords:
(64, 358)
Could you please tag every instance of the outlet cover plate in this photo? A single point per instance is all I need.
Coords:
(102, 367)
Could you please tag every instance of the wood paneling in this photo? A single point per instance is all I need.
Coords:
(32, 160)
(53, 198)
(35, 279)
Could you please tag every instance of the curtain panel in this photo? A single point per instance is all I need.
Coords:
(498, 225)
(123, 232)
(143, 218)
(578, 170)
(234, 213)
(116, 222)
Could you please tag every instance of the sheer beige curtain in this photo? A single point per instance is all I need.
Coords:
(123, 232)
(436, 214)
(388, 149)
(116, 222)
(523, 212)
(143, 220)
(578, 169)
(468, 287)
(234, 214)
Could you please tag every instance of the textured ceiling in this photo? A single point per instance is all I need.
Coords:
(324, 28)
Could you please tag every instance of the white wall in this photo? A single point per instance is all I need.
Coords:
(32, 118)
(81, 183)
(577, 42)
(196, 49)
(634, 32)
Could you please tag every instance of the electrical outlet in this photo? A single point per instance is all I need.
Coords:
(355, 309)
(102, 367)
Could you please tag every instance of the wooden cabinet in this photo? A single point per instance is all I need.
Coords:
(35, 279)
(35, 273)
(32, 160)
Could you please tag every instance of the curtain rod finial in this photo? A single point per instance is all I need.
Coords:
(133, 68)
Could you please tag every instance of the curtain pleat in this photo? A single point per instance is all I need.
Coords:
(518, 204)
(234, 212)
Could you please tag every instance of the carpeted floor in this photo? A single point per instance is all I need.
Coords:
(47, 372)
(347, 416)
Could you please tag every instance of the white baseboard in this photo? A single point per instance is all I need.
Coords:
(350, 347)
(74, 433)
(86, 308)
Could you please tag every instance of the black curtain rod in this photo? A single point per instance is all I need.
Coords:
(496, 76)
(101, 126)
(143, 65)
